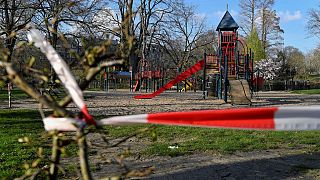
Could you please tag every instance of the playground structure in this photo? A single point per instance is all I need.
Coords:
(147, 77)
(230, 69)
(114, 80)
(230, 66)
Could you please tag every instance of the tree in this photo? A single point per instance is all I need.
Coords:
(208, 42)
(259, 14)
(94, 60)
(271, 32)
(180, 34)
(254, 43)
(59, 19)
(312, 62)
(293, 63)
(65, 17)
(313, 23)
(269, 68)
(248, 12)
(143, 24)
(105, 24)
(14, 16)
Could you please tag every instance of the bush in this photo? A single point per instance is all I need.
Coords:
(2, 84)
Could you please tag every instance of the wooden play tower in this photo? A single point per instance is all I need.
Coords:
(232, 63)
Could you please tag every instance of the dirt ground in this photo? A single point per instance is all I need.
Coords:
(294, 163)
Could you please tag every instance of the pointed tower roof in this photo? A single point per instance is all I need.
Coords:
(227, 23)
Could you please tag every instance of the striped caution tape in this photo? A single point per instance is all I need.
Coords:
(62, 70)
(272, 118)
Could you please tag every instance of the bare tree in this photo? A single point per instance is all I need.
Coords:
(270, 27)
(312, 61)
(181, 32)
(65, 17)
(143, 26)
(260, 14)
(208, 42)
(248, 14)
(14, 16)
(313, 24)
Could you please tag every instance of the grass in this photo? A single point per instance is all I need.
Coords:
(190, 140)
(15, 94)
(15, 124)
(310, 91)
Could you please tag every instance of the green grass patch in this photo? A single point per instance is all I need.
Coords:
(171, 140)
(15, 94)
(309, 91)
(15, 124)
(175, 141)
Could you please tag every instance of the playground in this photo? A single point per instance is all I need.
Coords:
(225, 80)
(184, 151)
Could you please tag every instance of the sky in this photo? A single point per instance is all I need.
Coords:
(293, 18)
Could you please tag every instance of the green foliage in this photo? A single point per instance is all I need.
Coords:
(255, 44)
(295, 61)
(2, 84)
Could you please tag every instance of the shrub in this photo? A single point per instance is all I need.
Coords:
(2, 84)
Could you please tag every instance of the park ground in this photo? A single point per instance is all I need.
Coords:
(178, 152)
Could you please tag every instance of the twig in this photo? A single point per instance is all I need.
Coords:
(83, 156)
(41, 111)
(92, 72)
(35, 174)
(55, 158)
(17, 79)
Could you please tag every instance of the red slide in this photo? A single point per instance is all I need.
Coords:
(187, 73)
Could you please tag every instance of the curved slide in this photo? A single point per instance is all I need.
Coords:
(187, 73)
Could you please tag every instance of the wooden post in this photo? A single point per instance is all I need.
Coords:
(131, 79)
(204, 75)
(226, 79)
(220, 65)
(107, 79)
(9, 93)
(237, 64)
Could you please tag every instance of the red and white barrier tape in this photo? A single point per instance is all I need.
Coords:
(62, 70)
(273, 118)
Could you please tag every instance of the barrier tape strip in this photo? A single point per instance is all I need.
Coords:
(62, 70)
(271, 118)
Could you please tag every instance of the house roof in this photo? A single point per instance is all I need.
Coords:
(227, 23)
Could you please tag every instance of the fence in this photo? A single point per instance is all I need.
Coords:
(290, 85)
